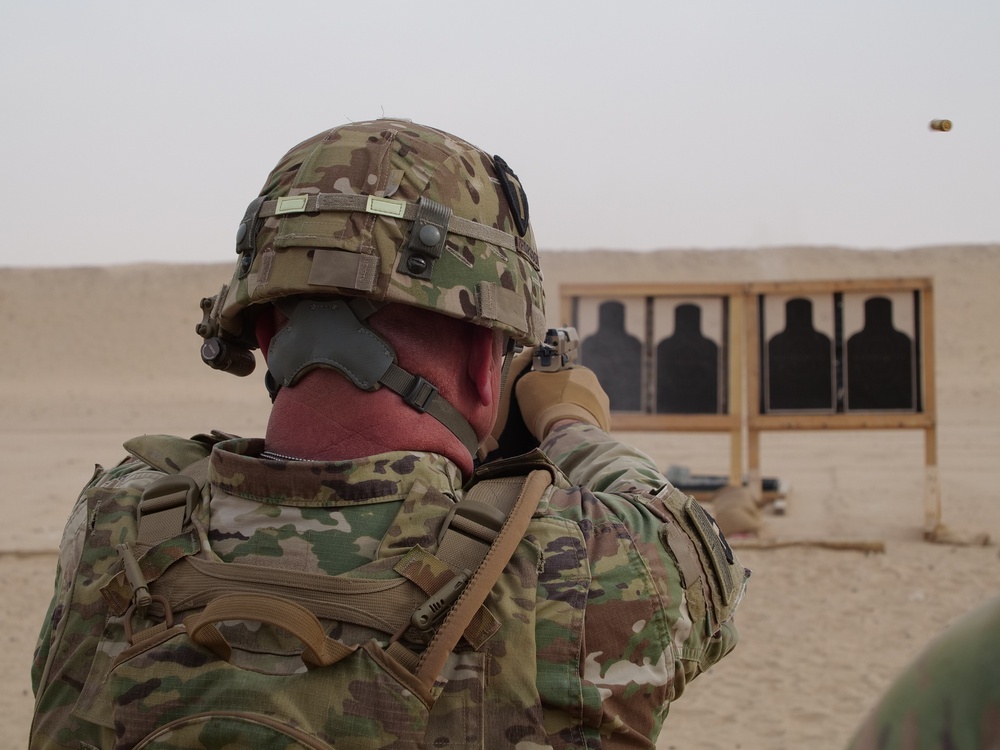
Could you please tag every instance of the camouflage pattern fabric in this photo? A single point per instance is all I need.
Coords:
(949, 698)
(291, 248)
(622, 588)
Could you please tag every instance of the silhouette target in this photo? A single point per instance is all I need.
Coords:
(615, 356)
(799, 362)
(687, 367)
(879, 362)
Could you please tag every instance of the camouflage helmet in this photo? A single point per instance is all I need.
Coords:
(365, 215)
(394, 212)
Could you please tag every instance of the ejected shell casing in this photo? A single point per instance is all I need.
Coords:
(943, 125)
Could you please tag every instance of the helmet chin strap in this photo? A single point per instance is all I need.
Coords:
(331, 333)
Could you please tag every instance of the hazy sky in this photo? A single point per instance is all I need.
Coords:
(139, 131)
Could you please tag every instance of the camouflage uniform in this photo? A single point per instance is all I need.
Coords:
(949, 698)
(616, 596)
(620, 589)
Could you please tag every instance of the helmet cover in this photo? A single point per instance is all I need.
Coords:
(394, 212)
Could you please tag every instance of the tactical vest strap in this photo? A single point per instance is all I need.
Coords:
(163, 514)
(123, 588)
(165, 508)
(524, 496)
(491, 520)
(478, 538)
(381, 604)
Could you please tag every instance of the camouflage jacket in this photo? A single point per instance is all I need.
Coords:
(949, 698)
(622, 589)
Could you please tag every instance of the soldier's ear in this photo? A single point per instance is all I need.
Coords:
(484, 366)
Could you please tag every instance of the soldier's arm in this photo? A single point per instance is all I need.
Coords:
(70, 550)
(691, 560)
(699, 576)
(591, 458)
(69, 635)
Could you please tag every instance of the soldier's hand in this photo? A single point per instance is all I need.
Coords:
(547, 397)
(509, 436)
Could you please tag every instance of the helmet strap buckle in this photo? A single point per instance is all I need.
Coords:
(420, 393)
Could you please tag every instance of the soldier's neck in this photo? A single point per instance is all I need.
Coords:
(325, 418)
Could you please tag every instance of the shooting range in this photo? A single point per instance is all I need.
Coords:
(744, 359)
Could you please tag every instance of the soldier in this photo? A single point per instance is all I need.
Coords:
(353, 579)
(949, 698)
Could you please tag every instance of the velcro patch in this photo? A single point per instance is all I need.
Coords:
(501, 305)
(701, 551)
(340, 268)
(516, 198)
(720, 553)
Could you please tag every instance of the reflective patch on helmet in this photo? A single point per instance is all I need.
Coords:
(512, 189)
(385, 207)
(291, 204)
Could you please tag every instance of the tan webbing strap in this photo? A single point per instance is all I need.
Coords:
(485, 575)
(380, 603)
(383, 207)
(404, 656)
(475, 521)
(163, 513)
(320, 650)
(165, 506)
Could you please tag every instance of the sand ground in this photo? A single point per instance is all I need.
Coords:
(94, 356)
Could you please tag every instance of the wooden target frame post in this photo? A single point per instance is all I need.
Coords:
(922, 417)
(732, 298)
